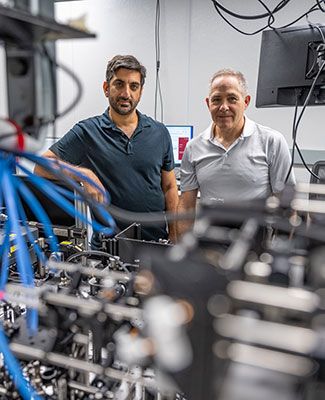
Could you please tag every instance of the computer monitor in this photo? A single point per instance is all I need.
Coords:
(180, 135)
(289, 61)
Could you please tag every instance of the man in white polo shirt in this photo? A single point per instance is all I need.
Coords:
(234, 159)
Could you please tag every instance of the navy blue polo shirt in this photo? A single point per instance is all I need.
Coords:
(129, 168)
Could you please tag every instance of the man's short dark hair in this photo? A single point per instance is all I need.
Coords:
(128, 62)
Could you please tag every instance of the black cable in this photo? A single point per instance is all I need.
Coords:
(293, 139)
(299, 119)
(77, 81)
(42, 50)
(158, 93)
(312, 9)
(237, 29)
(279, 6)
(319, 3)
(148, 218)
(309, 95)
(160, 100)
(270, 15)
(305, 164)
(314, 26)
(89, 253)
(53, 86)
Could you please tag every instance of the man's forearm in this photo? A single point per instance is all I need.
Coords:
(186, 203)
(183, 225)
(45, 173)
(171, 201)
(92, 185)
(60, 168)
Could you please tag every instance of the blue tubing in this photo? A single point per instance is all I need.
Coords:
(22, 255)
(52, 166)
(39, 212)
(40, 254)
(49, 189)
(5, 259)
(25, 390)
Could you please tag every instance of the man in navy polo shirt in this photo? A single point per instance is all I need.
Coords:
(123, 151)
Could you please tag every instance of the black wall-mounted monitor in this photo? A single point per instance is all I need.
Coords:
(290, 59)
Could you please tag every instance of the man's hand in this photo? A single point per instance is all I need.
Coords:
(92, 190)
(173, 236)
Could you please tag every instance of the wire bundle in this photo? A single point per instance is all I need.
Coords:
(16, 227)
(269, 15)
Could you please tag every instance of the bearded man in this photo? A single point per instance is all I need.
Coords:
(123, 151)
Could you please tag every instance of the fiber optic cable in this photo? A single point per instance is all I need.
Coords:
(39, 212)
(39, 253)
(24, 388)
(22, 256)
(48, 188)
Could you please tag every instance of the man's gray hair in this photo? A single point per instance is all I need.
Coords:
(230, 72)
(128, 62)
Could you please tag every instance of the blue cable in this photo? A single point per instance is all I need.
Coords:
(6, 233)
(4, 248)
(49, 189)
(23, 260)
(4, 254)
(24, 388)
(39, 253)
(52, 166)
(22, 256)
(8, 197)
(39, 212)
(1, 173)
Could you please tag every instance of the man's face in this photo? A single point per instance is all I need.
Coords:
(124, 91)
(227, 103)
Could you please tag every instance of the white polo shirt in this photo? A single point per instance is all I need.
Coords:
(253, 167)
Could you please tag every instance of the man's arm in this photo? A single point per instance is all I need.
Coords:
(187, 202)
(280, 165)
(90, 189)
(169, 187)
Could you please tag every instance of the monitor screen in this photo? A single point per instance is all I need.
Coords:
(290, 59)
(180, 135)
